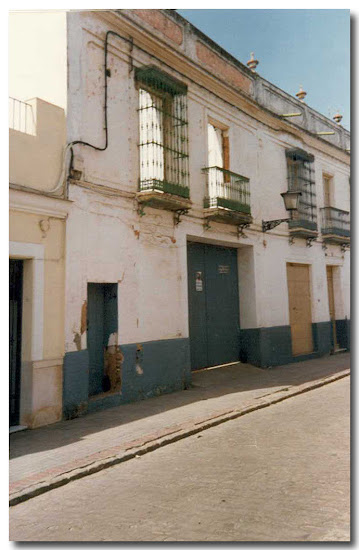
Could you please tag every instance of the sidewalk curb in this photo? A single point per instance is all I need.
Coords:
(169, 435)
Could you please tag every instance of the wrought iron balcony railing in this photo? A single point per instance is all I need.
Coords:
(21, 116)
(225, 189)
(165, 187)
(335, 222)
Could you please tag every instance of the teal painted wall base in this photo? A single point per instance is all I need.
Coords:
(148, 369)
(266, 347)
(75, 387)
(163, 366)
(272, 346)
(343, 333)
(322, 337)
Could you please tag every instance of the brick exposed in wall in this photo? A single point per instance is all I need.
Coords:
(223, 69)
(161, 23)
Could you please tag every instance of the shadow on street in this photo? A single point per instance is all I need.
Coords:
(206, 384)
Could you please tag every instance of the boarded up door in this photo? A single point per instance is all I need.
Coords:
(213, 305)
(331, 304)
(300, 308)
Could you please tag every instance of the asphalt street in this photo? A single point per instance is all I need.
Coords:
(277, 474)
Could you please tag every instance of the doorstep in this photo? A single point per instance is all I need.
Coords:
(14, 429)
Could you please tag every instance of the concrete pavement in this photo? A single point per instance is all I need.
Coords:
(52, 456)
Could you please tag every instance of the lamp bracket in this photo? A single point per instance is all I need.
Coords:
(271, 224)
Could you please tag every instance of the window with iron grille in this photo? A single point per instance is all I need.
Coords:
(163, 132)
(301, 177)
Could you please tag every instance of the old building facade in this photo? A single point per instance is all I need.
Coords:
(176, 154)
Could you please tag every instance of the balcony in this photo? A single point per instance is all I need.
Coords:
(303, 226)
(163, 194)
(335, 225)
(304, 221)
(227, 197)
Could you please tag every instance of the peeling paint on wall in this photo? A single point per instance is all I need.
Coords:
(84, 317)
(113, 359)
(77, 340)
(136, 232)
(139, 359)
(112, 339)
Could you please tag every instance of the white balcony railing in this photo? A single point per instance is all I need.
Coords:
(21, 116)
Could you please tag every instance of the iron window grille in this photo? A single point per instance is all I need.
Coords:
(163, 132)
(301, 177)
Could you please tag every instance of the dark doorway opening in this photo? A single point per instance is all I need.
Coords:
(102, 321)
(15, 331)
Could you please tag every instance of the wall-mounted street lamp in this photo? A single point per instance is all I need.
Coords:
(291, 200)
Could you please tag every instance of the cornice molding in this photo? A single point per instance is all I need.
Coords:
(31, 203)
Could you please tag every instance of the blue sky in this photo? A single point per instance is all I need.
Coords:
(294, 47)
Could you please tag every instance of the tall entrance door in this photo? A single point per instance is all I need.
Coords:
(213, 305)
(102, 321)
(300, 308)
(331, 304)
(15, 322)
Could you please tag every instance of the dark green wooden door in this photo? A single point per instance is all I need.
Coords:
(15, 322)
(213, 305)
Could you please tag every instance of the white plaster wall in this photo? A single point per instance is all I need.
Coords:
(107, 241)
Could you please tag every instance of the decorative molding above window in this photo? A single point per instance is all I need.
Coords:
(158, 80)
(298, 154)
